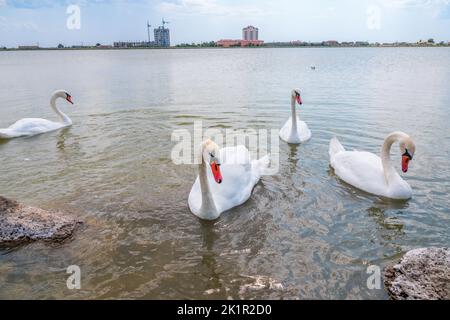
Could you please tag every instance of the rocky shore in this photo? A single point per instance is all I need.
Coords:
(422, 274)
(20, 224)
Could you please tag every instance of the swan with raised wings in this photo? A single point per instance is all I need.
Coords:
(368, 172)
(34, 126)
(295, 131)
(226, 179)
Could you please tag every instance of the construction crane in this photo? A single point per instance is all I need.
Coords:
(164, 22)
(148, 31)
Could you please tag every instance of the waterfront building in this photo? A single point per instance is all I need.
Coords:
(32, 47)
(227, 43)
(330, 43)
(162, 37)
(133, 44)
(250, 38)
(250, 33)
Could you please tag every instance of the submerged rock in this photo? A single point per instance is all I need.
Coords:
(20, 223)
(422, 274)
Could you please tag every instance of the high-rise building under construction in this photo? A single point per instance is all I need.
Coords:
(162, 37)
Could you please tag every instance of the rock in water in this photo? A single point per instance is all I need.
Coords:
(20, 223)
(422, 274)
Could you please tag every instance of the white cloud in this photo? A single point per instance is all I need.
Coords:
(2, 3)
(439, 9)
(8, 24)
(326, 13)
(405, 4)
(209, 7)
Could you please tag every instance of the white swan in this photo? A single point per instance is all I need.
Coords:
(32, 126)
(370, 173)
(228, 184)
(295, 131)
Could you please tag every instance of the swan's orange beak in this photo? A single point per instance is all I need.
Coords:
(69, 99)
(405, 163)
(299, 99)
(216, 172)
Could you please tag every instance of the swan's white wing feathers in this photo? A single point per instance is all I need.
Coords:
(304, 134)
(285, 132)
(261, 167)
(238, 180)
(363, 170)
(239, 174)
(195, 198)
(335, 148)
(30, 127)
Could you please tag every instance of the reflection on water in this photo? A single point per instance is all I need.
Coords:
(386, 223)
(208, 259)
(293, 158)
(303, 233)
(61, 140)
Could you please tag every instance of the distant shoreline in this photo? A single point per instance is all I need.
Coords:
(194, 47)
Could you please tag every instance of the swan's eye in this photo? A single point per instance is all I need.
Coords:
(407, 154)
(213, 158)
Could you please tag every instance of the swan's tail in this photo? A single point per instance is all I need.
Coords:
(335, 148)
(262, 166)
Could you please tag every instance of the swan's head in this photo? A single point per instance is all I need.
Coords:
(210, 156)
(297, 96)
(63, 94)
(407, 149)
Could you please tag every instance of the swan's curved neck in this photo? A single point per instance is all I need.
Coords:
(294, 116)
(208, 207)
(389, 172)
(66, 120)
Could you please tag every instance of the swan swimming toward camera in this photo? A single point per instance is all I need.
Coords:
(33, 126)
(228, 184)
(295, 131)
(370, 173)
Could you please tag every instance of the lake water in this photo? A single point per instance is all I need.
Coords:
(302, 235)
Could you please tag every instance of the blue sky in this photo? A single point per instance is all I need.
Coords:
(105, 21)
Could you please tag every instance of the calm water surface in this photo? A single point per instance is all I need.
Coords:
(303, 234)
